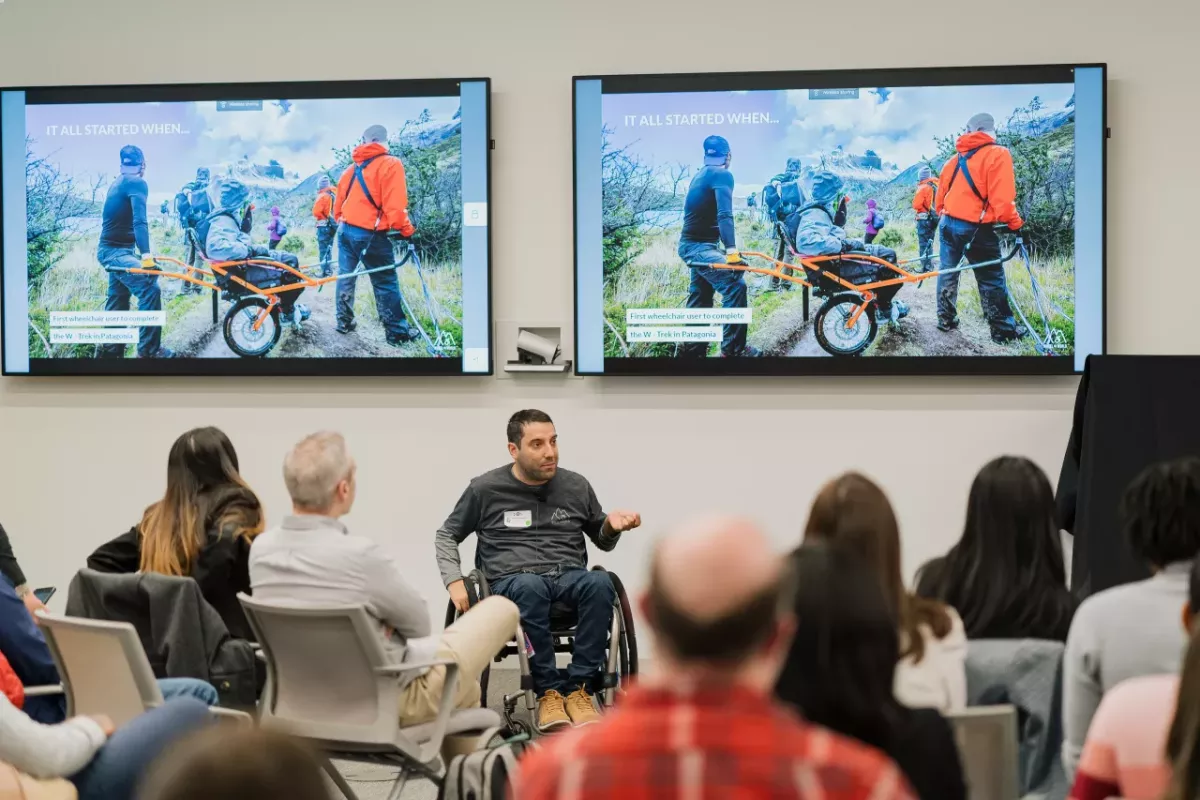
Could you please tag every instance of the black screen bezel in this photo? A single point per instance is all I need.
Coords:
(265, 367)
(832, 79)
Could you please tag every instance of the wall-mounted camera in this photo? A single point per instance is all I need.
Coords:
(538, 349)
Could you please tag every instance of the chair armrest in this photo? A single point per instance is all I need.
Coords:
(240, 717)
(43, 691)
(409, 666)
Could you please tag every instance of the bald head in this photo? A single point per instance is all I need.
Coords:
(375, 133)
(715, 589)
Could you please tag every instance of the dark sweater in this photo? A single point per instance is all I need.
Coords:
(222, 569)
(708, 208)
(124, 221)
(9, 567)
(923, 746)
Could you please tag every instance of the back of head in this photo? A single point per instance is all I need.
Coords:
(236, 764)
(1160, 512)
(1005, 576)
(204, 490)
(231, 194)
(981, 123)
(924, 172)
(853, 513)
(840, 669)
(314, 468)
(375, 133)
(717, 596)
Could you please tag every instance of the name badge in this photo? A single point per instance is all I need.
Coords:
(518, 519)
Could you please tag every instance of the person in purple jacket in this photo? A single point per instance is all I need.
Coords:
(276, 228)
(873, 222)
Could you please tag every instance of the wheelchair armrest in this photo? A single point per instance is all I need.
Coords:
(44, 691)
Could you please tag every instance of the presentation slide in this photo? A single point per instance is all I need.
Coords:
(272, 229)
(775, 223)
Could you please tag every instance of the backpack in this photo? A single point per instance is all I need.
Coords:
(481, 775)
(199, 204)
(182, 207)
(281, 228)
(791, 197)
(770, 198)
(879, 221)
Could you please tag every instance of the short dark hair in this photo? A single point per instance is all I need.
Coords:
(1160, 512)
(518, 421)
(728, 639)
(240, 764)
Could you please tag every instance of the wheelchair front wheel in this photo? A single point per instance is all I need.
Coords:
(832, 325)
(241, 335)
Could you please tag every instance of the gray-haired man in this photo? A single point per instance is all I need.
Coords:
(312, 560)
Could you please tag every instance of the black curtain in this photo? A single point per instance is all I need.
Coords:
(1130, 412)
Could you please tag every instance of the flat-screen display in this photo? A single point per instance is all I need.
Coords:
(923, 221)
(266, 229)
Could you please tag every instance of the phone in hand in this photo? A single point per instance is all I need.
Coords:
(45, 593)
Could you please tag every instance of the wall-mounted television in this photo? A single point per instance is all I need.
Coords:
(333, 228)
(908, 221)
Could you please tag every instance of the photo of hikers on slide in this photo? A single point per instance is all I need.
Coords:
(972, 184)
(130, 206)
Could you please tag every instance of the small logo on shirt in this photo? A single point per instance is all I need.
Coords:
(560, 515)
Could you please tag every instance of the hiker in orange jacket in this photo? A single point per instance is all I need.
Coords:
(322, 212)
(927, 216)
(372, 207)
(978, 194)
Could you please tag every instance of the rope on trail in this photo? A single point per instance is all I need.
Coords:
(1052, 340)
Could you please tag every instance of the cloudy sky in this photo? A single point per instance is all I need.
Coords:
(899, 124)
(179, 137)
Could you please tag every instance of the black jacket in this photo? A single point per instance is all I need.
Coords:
(923, 746)
(222, 569)
(9, 567)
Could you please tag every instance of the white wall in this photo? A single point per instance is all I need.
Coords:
(79, 459)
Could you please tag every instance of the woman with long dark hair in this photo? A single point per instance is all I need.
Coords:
(202, 527)
(853, 512)
(1005, 576)
(840, 671)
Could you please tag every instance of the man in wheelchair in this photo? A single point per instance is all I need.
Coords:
(813, 230)
(531, 518)
(224, 239)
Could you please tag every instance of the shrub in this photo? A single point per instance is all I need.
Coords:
(293, 243)
(891, 237)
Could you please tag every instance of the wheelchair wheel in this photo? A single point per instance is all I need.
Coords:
(628, 645)
(831, 328)
(239, 330)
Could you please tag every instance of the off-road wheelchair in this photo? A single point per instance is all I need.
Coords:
(621, 661)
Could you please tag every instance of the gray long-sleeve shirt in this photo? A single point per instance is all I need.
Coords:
(47, 751)
(1120, 633)
(523, 528)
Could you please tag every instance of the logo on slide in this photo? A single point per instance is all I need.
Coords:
(560, 515)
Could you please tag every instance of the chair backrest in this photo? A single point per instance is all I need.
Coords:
(987, 747)
(322, 679)
(103, 667)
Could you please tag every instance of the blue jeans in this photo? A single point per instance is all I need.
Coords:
(193, 688)
(325, 238)
(114, 772)
(374, 250)
(980, 244)
(591, 594)
(123, 284)
(709, 280)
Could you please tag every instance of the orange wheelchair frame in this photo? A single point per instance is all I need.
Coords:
(252, 326)
(844, 324)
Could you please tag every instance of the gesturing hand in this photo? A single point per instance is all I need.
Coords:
(620, 521)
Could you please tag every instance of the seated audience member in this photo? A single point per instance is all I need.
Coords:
(24, 647)
(1005, 577)
(841, 668)
(245, 764)
(1133, 630)
(531, 518)
(312, 560)
(701, 722)
(101, 763)
(1132, 735)
(854, 514)
(202, 527)
(11, 570)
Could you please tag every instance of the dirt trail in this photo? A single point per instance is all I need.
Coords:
(195, 336)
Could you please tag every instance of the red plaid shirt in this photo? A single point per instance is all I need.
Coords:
(714, 743)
